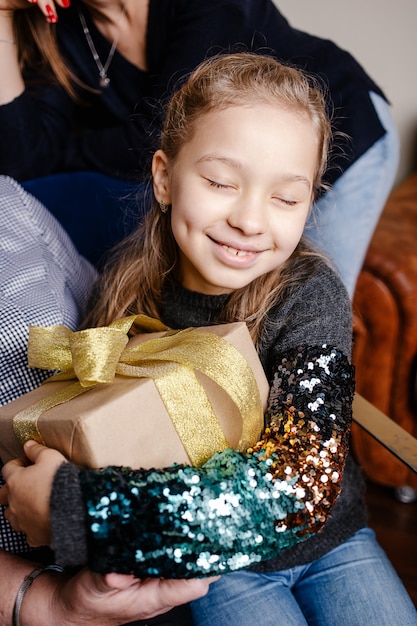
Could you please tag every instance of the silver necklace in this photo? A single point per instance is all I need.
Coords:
(102, 69)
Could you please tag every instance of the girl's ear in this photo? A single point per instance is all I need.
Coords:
(160, 174)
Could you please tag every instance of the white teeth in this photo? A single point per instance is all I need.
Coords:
(235, 252)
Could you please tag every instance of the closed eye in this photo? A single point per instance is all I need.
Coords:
(287, 201)
(217, 185)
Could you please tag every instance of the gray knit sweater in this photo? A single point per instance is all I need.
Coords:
(127, 521)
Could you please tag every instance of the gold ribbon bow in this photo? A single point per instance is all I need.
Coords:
(97, 355)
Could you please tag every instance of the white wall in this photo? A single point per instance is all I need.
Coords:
(382, 36)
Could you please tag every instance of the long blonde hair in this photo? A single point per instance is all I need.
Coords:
(134, 278)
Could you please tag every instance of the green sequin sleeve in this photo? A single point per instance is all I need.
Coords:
(237, 509)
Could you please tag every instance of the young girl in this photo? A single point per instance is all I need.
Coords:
(243, 149)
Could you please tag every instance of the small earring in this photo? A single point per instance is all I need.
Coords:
(163, 206)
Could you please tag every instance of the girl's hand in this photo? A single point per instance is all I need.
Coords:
(28, 492)
(47, 7)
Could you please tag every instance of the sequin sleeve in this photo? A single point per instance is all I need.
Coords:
(237, 509)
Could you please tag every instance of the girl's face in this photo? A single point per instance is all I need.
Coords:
(240, 190)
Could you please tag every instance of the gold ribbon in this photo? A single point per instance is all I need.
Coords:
(97, 355)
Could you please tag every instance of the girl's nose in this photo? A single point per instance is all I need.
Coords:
(248, 216)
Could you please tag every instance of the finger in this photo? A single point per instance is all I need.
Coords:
(14, 523)
(48, 9)
(38, 453)
(33, 450)
(50, 13)
(120, 581)
(212, 579)
(12, 466)
(12, 520)
(34, 543)
(181, 591)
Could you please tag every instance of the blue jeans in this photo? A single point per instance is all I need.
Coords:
(343, 221)
(353, 585)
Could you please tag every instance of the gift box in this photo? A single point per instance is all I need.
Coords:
(173, 396)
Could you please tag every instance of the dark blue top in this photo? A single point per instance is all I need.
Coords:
(112, 132)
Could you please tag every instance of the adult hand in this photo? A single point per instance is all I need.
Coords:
(88, 598)
(28, 490)
(12, 84)
(117, 599)
(47, 7)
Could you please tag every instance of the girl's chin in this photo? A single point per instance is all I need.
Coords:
(216, 289)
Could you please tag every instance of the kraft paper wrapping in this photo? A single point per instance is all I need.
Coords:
(126, 422)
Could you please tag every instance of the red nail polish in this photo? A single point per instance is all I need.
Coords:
(51, 15)
(66, 3)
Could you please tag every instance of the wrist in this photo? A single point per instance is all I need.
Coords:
(35, 600)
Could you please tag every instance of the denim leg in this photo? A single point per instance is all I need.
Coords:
(343, 221)
(354, 585)
(249, 599)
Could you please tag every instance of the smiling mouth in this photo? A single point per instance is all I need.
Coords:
(236, 252)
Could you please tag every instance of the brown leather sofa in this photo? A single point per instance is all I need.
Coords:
(385, 332)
